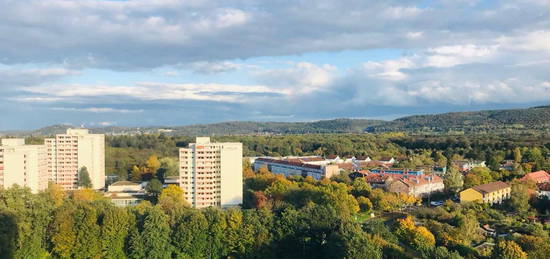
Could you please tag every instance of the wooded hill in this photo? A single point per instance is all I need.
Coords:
(490, 121)
(536, 119)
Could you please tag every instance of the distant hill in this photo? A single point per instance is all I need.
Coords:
(224, 128)
(534, 119)
(248, 127)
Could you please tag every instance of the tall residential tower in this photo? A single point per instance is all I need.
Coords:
(211, 173)
(68, 153)
(24, 165)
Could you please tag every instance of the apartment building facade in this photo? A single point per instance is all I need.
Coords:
(69, 152)
(211, 173)
(24, 165)
(291, 167)
(491, 193)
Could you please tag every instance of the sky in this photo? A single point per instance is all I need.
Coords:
(180, 62)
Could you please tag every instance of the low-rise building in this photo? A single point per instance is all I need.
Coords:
(399, 171)
(411, 184)
(172, 180)
(290, 168)
(334, 159)
(440, 170)
(507, 165)
(537, 177)
(387, 160)
(378, 180)
(467, 165)
(416, 185)
(126, 193)
(543, 190)
(490, 193)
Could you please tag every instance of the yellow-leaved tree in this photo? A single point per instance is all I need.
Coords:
(417, 237)
(171, 198)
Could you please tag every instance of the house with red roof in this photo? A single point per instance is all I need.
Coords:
(537, 177)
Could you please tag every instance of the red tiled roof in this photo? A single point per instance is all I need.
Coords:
(332, 156)
(349, 166)
(385, 158)
(376, 178)
(311, 159)
(538, 177)
(413, 180)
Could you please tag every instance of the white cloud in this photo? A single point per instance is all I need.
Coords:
(207, 67)
(533, 41)
(97, 110)
(153, 91)
(300, 78)
(150, 34)
(415, 35)
(390, 69)
(171, 73)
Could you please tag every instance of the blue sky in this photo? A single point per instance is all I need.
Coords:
(175, 62)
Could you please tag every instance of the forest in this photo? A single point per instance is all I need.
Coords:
(281, 218)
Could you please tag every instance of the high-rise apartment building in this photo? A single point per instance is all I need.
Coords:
(211, 173)
(24, 165)
(68, 153)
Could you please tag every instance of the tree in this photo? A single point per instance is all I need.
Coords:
(190, 235)
(114, 231)
(519, 198)
(536, 247)
(63, 237)
(8, 234)
(171, 198)
(56, 194)
(84, 178)
(26, 218)
(453, 180)
(360, 187)
(508, 250)
(153, 164)
(156, 235)
(417, 237)
(168, 167)
(364, 204)
(517, 155)
(350, 241)
(136, 174)
(217, 225)
(88, 232)
(86, 195)
(440, 159)
(478, 176)
(441, 252)
(154, 188)
(247, 169)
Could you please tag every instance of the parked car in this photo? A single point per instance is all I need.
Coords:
(436, 203)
